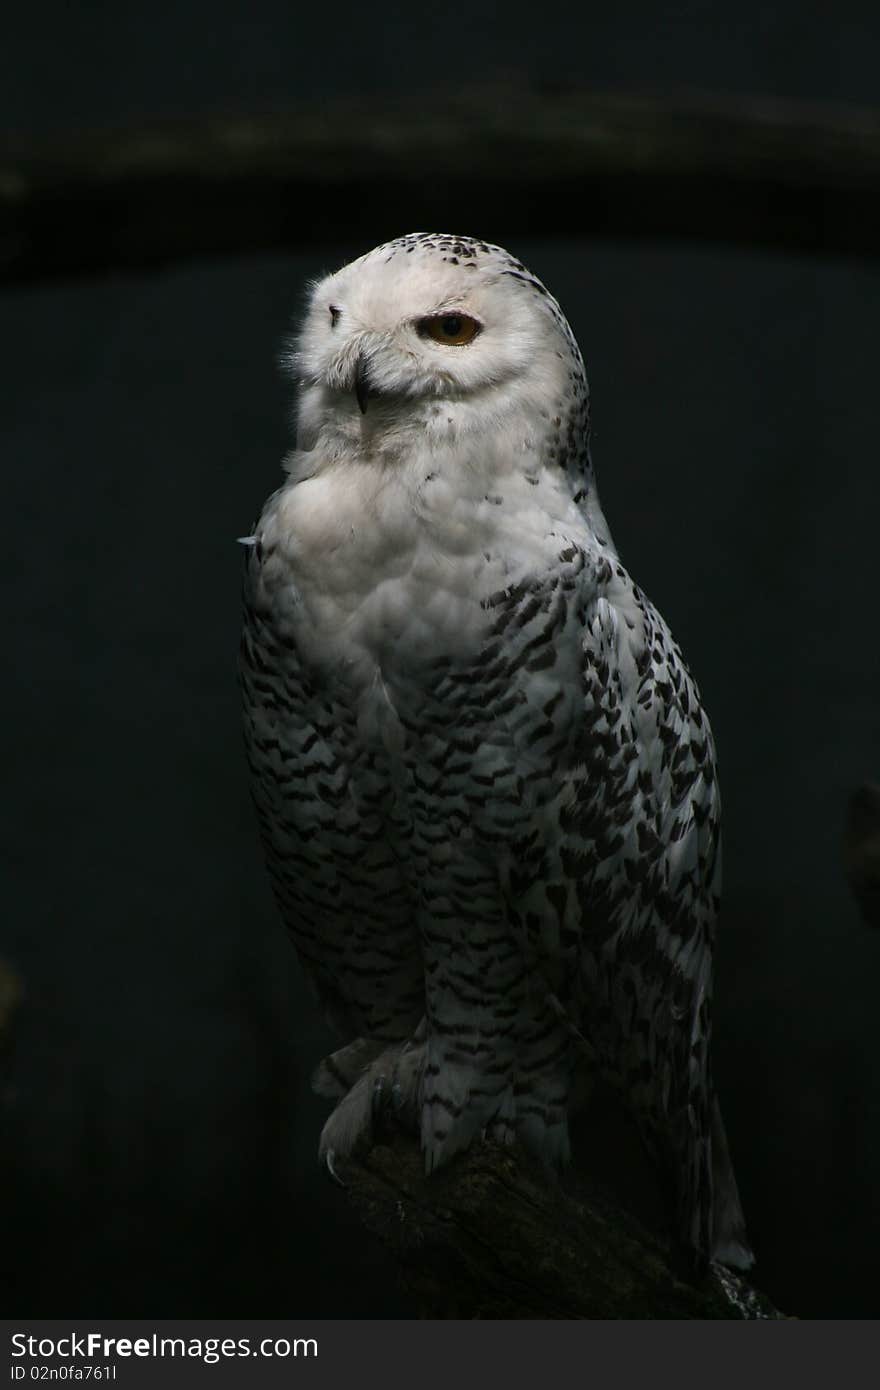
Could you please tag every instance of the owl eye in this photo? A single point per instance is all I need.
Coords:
(334, 315)
(455, 330)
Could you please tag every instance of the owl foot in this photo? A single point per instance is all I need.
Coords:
(545, 1134)
(334, 1077)
(389, 1083)
(501, 1132)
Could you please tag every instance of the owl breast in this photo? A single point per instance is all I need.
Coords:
(378, 572)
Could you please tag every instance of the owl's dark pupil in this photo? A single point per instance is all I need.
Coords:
(452, 325)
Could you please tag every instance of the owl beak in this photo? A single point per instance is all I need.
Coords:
(362, 388)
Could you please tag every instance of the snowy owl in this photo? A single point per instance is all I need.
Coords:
(485, 781)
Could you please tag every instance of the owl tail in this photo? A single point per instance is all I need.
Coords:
(730, 1244)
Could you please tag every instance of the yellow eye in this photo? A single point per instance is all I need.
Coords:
(455, 330)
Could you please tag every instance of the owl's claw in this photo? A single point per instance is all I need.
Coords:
(329, 1161)
(380, 1089)
(389, 1083)
(500, 1132)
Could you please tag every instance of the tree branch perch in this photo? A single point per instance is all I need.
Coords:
(490, 1236)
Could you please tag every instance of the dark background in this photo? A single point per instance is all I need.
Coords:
(160, 1156)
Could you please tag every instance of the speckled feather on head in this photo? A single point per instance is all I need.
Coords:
(484, 778)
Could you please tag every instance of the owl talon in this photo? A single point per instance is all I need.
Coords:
(389, 1084)
(500, 1132)
(329, 1161)
(380, 1094)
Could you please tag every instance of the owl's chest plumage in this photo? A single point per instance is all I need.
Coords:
(378, 576)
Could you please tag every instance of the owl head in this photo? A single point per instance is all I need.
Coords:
(437, 332)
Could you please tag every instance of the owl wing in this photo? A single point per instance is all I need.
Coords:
(617, 891)
(642, 836)
(326, 809)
